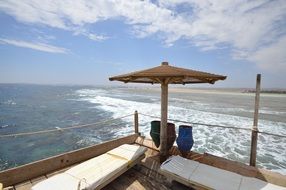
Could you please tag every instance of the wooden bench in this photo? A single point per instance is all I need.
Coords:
(195, 174)
(96, 172)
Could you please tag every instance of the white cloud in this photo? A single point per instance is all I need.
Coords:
(92, 36)
(41, 12)
(247, 28)
(65, 14)
(271, 57)
(96, 37)
(36, 46)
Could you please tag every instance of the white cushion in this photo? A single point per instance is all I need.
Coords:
(257, 184)
(95, 171)
(127, 151)
(212, 177)
(57, 182)
(216, 178)
(180, 166)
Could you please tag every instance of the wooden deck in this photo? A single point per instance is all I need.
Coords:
(142, 176)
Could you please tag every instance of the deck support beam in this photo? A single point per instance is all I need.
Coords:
(254, 133)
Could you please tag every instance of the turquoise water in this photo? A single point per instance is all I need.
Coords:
(34, 107)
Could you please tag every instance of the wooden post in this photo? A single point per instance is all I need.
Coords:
(254, 133)
(136, 123)
(164, 118)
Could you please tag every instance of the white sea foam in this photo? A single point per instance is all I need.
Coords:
(4, 126)
(271, 112)
(229, 143)
(9, 102)
(90, 92)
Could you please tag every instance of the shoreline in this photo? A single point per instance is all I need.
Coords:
(225, 91)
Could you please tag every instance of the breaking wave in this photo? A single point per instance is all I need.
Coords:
(229, 143)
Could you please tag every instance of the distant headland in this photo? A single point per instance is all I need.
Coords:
(266, 91)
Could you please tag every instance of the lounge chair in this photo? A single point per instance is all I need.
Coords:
(195, 174)
(96, 172)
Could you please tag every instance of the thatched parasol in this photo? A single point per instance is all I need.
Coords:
(165, 75)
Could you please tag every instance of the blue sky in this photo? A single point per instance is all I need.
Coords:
(85, 42)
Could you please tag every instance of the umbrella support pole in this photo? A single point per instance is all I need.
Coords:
(164, 118)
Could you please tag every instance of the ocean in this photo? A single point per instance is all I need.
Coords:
(28, 108)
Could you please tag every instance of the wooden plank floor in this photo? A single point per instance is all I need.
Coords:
(142, 176)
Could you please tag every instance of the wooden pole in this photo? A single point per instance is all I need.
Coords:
(164, 118)
(136, 123)
(254, 133)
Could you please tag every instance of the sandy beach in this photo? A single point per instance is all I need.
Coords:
(188, 90)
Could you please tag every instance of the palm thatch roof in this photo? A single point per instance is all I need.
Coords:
(168, 74)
